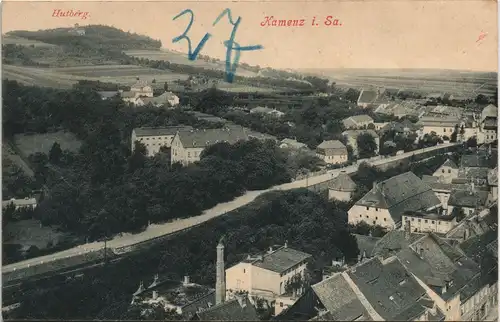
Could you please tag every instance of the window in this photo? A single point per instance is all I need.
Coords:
(385, 219)
(281, 304)
(367, 216)
(361, 216)
(442, 170)
(425, 221)
(413, 219)
(376, 209)
(433, 221)
(420, 220)
(449, 170)
(244, 271)
(367, 208)
(189, 154)
(444, 130)
(374, 222)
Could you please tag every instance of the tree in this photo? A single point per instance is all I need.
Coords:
(453, 137)
(367, 147)
(165, 86)
(153, 81)
(55, 153)
(471, 142)
(481, 99)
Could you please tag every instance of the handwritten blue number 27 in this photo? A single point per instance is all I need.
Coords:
(230, 44)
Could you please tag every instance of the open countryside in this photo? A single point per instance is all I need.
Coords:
(24, 42)
(422, 81)
(181, 58)
(66, 77)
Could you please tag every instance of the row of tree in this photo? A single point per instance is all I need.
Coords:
(104, 188)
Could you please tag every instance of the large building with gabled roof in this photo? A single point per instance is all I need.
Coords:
(375, 290)
(187, 146)
(154, 138)
(385, 204)
(266, 275)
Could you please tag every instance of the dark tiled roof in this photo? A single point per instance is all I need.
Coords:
(476, 246)
(231, 310)
(331, 147)
(393, 242)
(439, 264)
(339, 299)
(451, 164)
(205, 137)
(367, 96)
(474, 161)
(342, 182)
(470, 225)
(399, 194)
(467, 198)
(477, 173)
(390, 289)
(159, 131)
(490, 124)
(281, 259)
(366, 243)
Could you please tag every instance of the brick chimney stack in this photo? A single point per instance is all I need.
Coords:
(220, 282)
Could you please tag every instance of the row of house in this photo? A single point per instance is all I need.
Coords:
(402, 276)
(141, 94)
(406, 276)
(187, 143)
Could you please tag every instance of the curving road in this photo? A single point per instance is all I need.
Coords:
(155, 231)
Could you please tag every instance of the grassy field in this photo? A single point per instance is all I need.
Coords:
(180, 58)
(7, 40)
(67, 76)
(33, 143)
(423, 80)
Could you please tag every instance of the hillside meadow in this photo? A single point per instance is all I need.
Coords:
(181, 59)
(65, 77)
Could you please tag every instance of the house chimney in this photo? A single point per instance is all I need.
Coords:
(374, 184)
(220, 284)
(443, 289)
(155, 295)
(286, 243)
(186, 280)
(407, 230)
(270, 250)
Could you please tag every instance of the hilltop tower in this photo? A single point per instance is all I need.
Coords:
(220, 282)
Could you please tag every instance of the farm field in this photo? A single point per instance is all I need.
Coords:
(7, 40)
(65, 77)
(423, 80)
(179, 58)
(33, 143)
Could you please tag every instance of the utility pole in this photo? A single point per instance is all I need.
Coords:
(105, 250)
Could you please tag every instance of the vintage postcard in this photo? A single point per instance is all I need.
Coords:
(249, 160)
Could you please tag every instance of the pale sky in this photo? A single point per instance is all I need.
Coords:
(374, 34)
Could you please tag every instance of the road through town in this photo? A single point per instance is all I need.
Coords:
(155, 231)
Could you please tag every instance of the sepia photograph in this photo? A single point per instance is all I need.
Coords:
(249, 160)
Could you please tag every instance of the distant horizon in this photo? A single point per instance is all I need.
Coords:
(373, 34)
